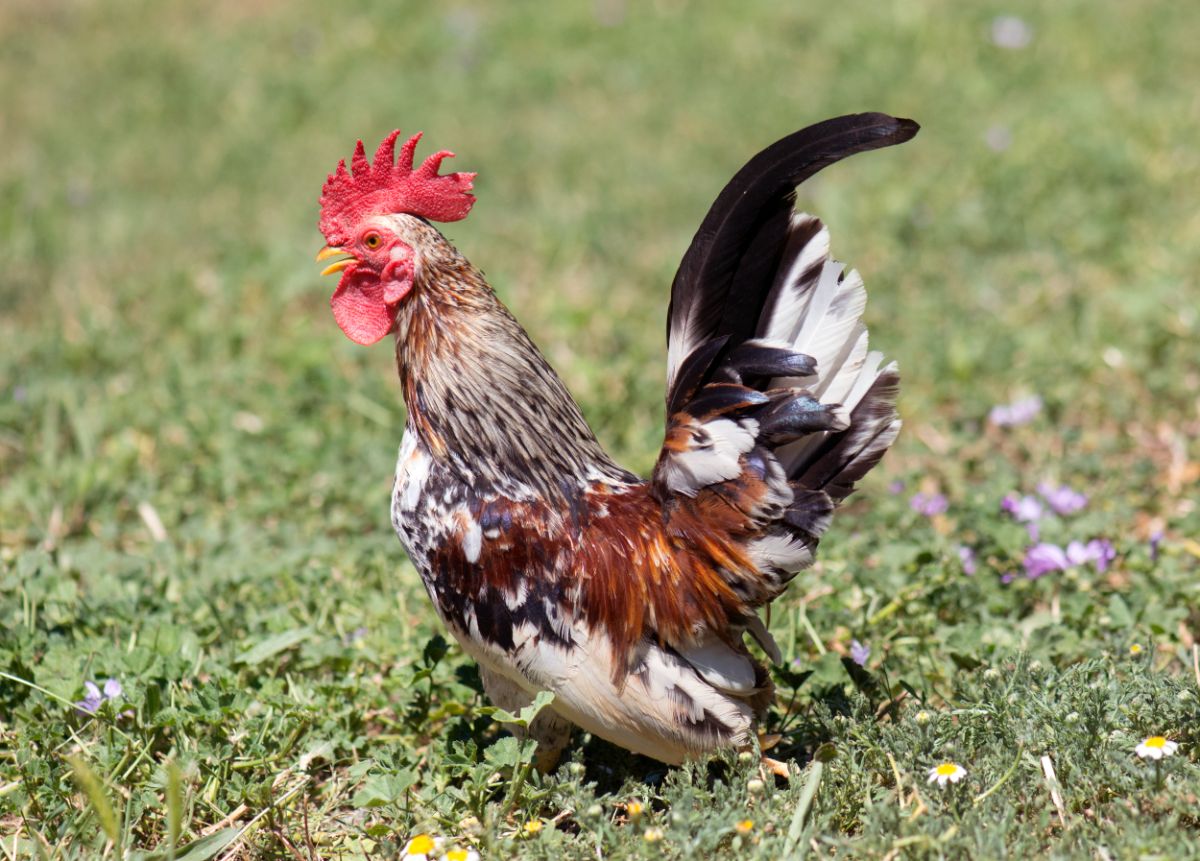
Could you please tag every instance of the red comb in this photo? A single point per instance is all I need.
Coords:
(383, 187)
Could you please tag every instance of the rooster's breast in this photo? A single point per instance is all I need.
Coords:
(491, 565)
(413, 516)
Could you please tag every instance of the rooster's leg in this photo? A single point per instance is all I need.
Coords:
(551, 731)
(767, 765)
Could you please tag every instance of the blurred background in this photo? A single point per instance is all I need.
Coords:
(169, 357)
(191, 453)
(162, 163)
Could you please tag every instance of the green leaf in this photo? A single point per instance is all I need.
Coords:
(827, 752)
(965, 661)
(198, 850)
(381, 789)
(435, 650)
(527, 714)
(273, 645)
(504, 752)
(1118, 611)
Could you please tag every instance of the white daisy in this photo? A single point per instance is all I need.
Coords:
(1156, 747)
(947, 772)
(422, 848)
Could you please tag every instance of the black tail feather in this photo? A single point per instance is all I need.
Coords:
(843, 458)
(726, 274)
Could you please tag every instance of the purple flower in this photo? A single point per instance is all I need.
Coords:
(1156, 538)
(1062, 499)
(93, 699)
(967, 557)
(928, 504)
(1023, 509)
(1043, 558)
(1019, 412)
(1077, 553)
(896, 487)
(859, 653)
(1101, 553)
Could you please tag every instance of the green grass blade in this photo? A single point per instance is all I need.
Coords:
(807, 794)
(174, 806)
(93, 788)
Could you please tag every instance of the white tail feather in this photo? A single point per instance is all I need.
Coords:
(808, 327)
(792, 289)
(818, 312)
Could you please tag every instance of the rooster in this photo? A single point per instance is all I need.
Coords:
(557, 570)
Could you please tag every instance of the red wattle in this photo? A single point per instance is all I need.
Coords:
(396, 289)
(397, 279)
(360, 307)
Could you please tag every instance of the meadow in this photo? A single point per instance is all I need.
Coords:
(211, 643)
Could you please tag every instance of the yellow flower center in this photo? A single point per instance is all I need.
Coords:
(634, 809)
(456, 855)
(947, 769)
(745, 826)
(1155, 741)
(422, 844)
(533, 826)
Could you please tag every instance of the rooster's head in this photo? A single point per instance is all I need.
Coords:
(370, 215)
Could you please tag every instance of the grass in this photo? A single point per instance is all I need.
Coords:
(194, 463)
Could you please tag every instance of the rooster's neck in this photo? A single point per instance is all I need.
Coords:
(481, 397)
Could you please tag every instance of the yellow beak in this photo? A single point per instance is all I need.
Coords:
(338, 265)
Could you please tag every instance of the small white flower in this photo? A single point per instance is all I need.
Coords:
(1156, 747)
(422, 848)
(947, 772)
(462, 855)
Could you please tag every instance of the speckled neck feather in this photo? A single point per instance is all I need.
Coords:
(481, 395)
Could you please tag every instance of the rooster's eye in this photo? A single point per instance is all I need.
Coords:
(372, 241)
